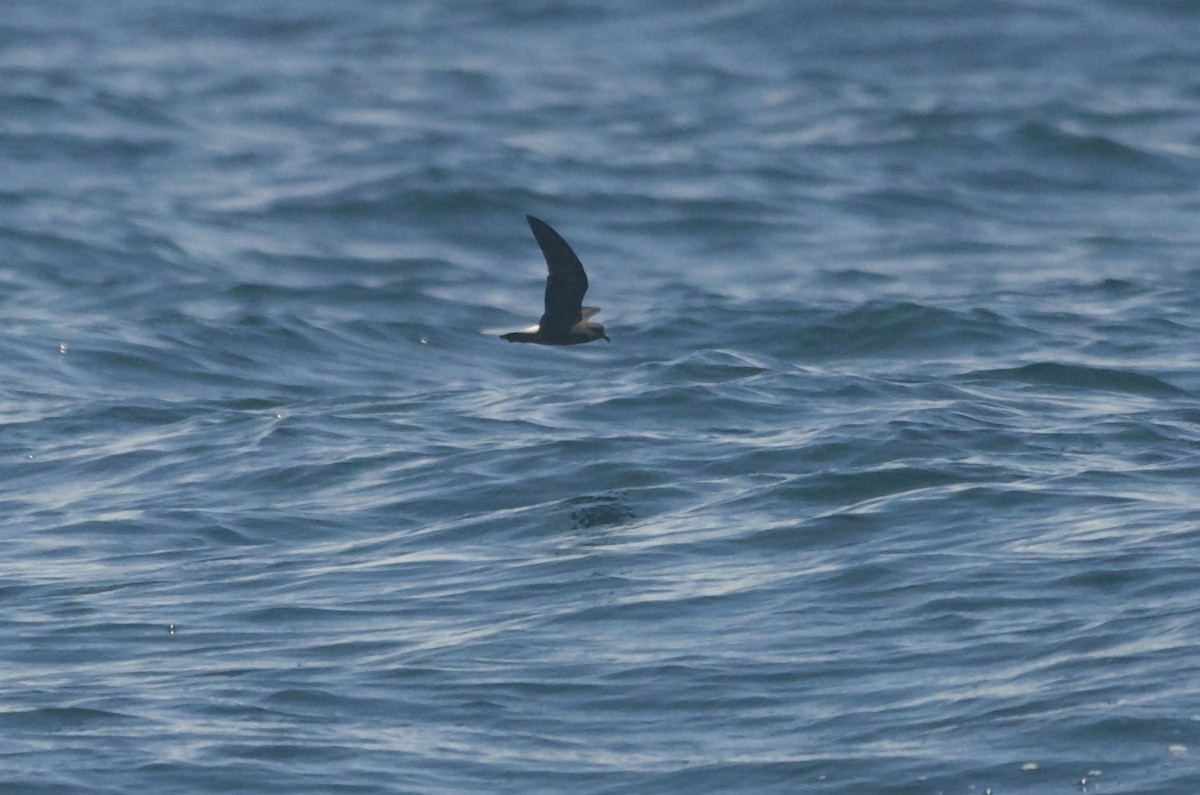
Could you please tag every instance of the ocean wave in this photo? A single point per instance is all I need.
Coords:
(1074, 376)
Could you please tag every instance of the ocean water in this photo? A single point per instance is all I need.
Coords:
(888, 482)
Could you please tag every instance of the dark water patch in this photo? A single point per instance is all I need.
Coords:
(312, 700)
(602, 511)
(1073, 161)
(222, 536)
(1109, 581)
(854, 278)
(874, 328)
(47, 785)
(1185, 418)
(25, 103)
(136, 109)
(877, 328)
(286, 615)
(63, 719)
(1071, 376)
(393, 200)
(1120, 287)
(709, 367)
(298, 757)
(1150, 443)
(112, 152)
(709, 776)
(893, 205)
(282, 25)
(660, 408)
(828, 530)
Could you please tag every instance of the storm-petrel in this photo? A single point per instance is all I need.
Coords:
(565, 321)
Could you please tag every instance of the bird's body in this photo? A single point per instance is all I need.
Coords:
(565, 319)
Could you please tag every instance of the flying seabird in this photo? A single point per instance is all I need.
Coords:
(565, 321)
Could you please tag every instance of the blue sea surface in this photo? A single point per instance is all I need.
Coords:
(888, 482)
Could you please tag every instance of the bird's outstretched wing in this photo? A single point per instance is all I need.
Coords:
(566, 284)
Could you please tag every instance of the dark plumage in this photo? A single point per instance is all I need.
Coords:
(565, 319)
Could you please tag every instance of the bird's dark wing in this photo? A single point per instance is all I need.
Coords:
(566, 284)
